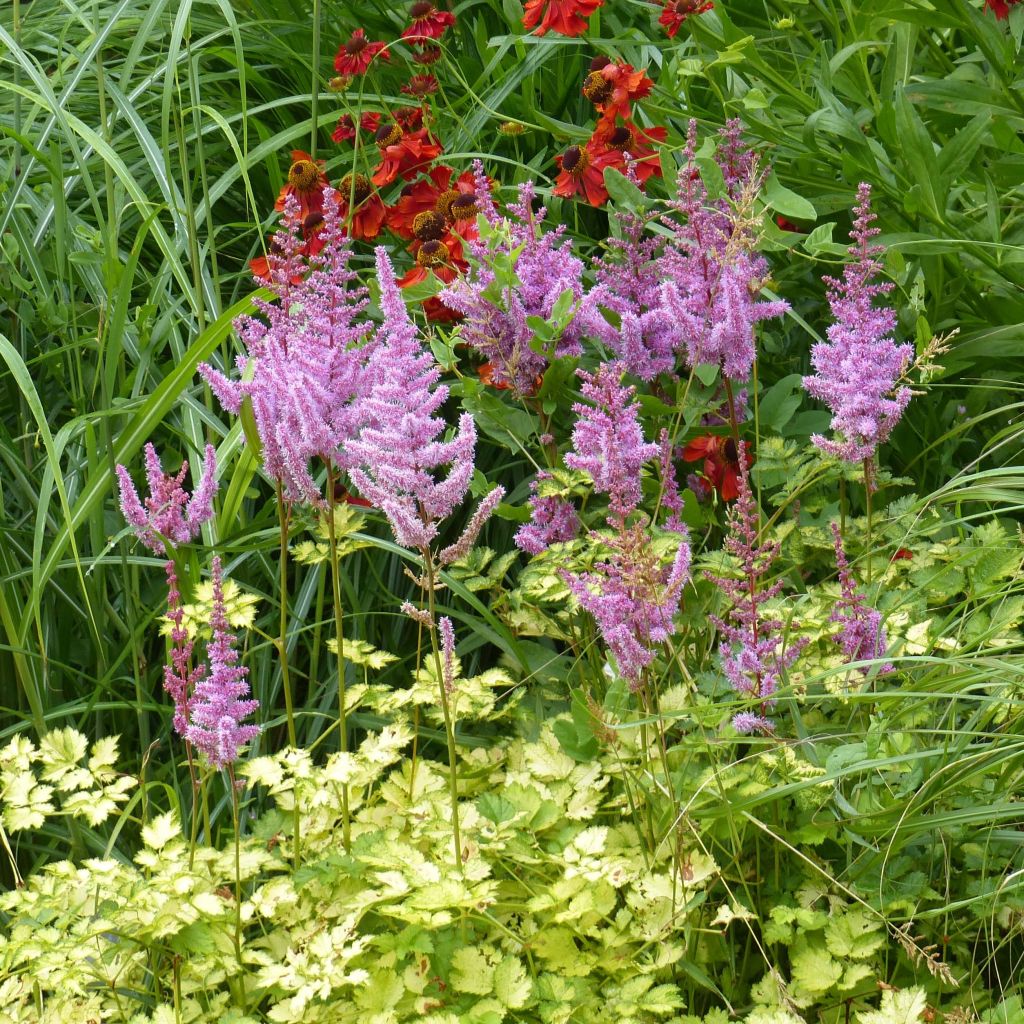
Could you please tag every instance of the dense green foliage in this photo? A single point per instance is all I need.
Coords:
(626, 857)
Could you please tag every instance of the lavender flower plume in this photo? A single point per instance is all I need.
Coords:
(169, 513)
(608, 440)
(396, 454)
(633, 598)
(540, 268)
(217, 709)
(552, 520)
(304, 363)
(751, 659)
(180, 678)
(670, 496)
(468, 537)
(444, 627)
(861, 636)
(856, 372)
(712, 275)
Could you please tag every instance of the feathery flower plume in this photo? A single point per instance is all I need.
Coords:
(495, 313)
(468, 537)
(552, 520)
(751, 658)
(861, 637)
(856, 372)
(444, 627)
(397, 452)
(608, 440)
(306, 358)
(633, 598)
(712, 274)
(217, 709)
(670, 496)
(180, 677)
(169, 512)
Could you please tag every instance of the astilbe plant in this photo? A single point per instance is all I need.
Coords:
(552, 520)
(632, 596)
(180, 676)
(711, 270)
(754, 653)
(861, 635)
(303, 369)
(217, 709)
(857, 371)
(169, 513)
(518, 272)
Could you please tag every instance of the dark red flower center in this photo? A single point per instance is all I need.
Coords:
(428, 226)
(432, 254)
(599, 62)
(303, 175)
(731, 454)
(575, 161)
(421, 9)
(597, 88)
(620, 138)
(358, 186)
(444, 202)
(387, 134)
(356, 44)
(312, 223)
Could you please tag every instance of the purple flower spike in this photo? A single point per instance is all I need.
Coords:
(179, 677)
(857, 370)
(217, 709)
(169, 513)
(608, 439)
(395, 456)
(552, 520)
(861, 637)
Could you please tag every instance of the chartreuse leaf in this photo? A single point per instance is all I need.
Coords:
(898, 1006)
(161, 830)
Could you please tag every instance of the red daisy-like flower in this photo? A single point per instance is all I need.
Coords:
(306, 181)
(366, 214)
(675, 12)
(567, 17)
(346, 128)
(409, 118)
(582, 173)
(312, 232)
(437, 312)
(785, 224)
(432, 257)
(1000, 8)
(420, 85)
(427, 21)
(426, 53)
(902, 554)
(355, 56)
(403, 154)
(721, 462)
(614, 86)
(637, 142)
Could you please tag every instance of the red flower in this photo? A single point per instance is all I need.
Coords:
(420, 85)
(367, 212)
(427, 21)
(567, 17)
(403, 154)
(721, 462)
(306, 181)
(613, 86)
(582, 172)
(426, 53)
(619, 140)
(312, 232)
(426, 194)
(1000, 8)
(902, 553)
(346, 129)
(409, 118)
(785, 224)
(437, 312)
(355, 56)
(431, 257)
(675, 12)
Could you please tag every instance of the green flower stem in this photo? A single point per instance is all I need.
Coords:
(282, 641)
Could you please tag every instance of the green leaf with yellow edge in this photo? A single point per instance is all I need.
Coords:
(898, 1006)
(512, 986)
(473, 971)
(161, 830)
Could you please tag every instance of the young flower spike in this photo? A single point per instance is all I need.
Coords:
(180, 678)
(856, 372)
(169, 513)
(217, 709)
(861, 636)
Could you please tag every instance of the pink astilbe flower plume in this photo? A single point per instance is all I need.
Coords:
(217, 709)
(751, 656)
(169, 513)
(608, 440)
(856, 372)
(306, 358)
(712, 275)
(397, 453)
(861, 636)
(495, 313)
(552, 520)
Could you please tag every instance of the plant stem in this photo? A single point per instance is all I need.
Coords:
(453, 778)
(282, 643)
(868, 488)
(315, 91)
(346, 831)
(238, 865)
